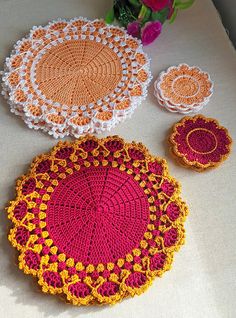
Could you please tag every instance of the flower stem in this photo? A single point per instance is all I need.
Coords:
(142, 12)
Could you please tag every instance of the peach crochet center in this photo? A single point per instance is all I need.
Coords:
(185, 86)
(76, 72)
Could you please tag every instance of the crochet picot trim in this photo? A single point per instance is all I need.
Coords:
(183, 89)
(97, 220)
(75, 77)
(199, 142)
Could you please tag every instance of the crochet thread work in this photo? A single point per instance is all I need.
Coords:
(76, 77)
(183, 89)
(199, 142)
(97, 220)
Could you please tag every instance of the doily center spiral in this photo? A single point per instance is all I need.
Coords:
(185, 86)
(97, 215)
(202, 141)
(75, 72)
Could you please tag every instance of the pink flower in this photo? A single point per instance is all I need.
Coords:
(133, 29)
(150, 32)
(156, 5)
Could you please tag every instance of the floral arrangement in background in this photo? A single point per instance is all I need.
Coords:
(144, 18)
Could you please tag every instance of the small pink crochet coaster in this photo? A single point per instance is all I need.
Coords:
(199, 142)
(97, 220)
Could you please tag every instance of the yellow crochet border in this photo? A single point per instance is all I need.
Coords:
(195, 165)
(124, 290)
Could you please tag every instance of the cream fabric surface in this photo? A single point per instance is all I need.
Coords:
(202, 281)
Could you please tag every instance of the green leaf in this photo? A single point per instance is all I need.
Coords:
(160, 15)
(144, 14)
(173, 17)
(110, 16)
(179, 4)
(147, 15)
(135, 3)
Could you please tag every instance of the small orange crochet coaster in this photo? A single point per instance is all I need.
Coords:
(97, 220)
(183, 89)
(76, 77)
(199, 142)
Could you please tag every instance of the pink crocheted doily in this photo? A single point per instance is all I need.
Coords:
(75, 77)
(199, 142)
(97, 220)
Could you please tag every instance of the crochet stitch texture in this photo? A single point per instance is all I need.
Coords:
(183, 89)
(97, 220)
(199, 142)
(75, 77)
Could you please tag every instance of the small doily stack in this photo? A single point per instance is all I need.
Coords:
(76, 77)
(183, 89)
(200, 143)
(97, 220)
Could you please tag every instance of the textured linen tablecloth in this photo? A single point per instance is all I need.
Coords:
(202, 281)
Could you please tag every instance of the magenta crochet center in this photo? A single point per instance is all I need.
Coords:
(97, 215)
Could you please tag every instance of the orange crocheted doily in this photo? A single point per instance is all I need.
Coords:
(75, 77)
(183, 88)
